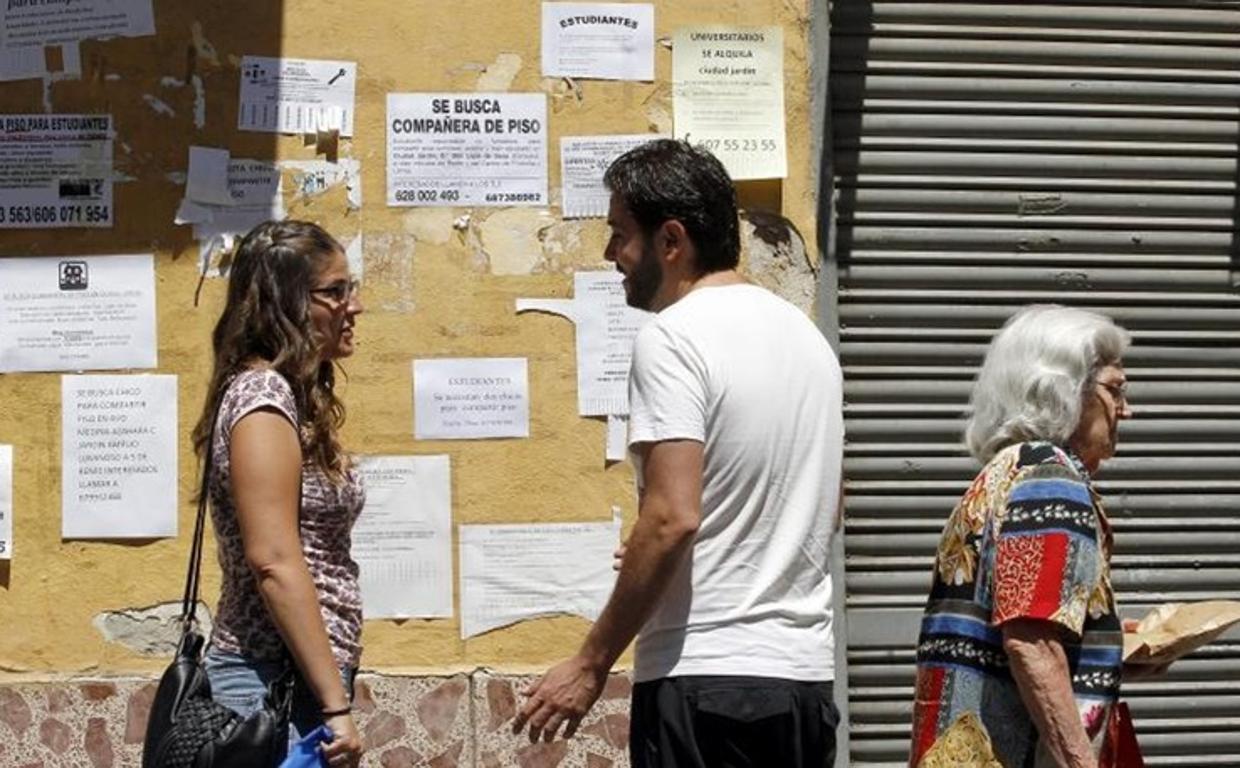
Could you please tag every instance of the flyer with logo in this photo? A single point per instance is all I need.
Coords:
(728, 96)
(466, 149)
(55, 171)
(74, 313)
(296, 95)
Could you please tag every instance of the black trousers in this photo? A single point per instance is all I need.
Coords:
(712, 721)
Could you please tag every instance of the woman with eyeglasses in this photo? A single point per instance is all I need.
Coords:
(1020, 634)
(284, 494)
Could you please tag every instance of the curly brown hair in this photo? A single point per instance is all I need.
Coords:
(266, 322)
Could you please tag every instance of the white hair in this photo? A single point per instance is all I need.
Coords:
(1033, 380)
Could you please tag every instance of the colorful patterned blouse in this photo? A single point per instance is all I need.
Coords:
(1028, 540)
(328, 511)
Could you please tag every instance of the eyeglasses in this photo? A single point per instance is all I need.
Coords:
(1119, 392)
(340, 291)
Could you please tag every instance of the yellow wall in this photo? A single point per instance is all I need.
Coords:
(430, 290)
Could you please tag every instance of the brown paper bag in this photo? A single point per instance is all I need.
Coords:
(1173, 630)
(964, 745)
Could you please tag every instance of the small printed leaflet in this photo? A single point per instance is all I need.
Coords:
(296, 95)
(466, 149)
(6, 502)
(55, 171)
(514, 572)
(583, 161)
(119, 456)
(403, 540)
(75, 313)
(39, 37)
(470, 398)
(728, 96)
(605, 41)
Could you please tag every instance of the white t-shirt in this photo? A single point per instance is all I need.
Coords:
(748, 375)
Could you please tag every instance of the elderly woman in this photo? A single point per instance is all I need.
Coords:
(1020, 633)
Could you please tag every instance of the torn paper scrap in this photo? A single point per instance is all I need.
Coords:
(206, 180)
(314, 177)
(606, 329)
(55, 171)
(353, 253)
(6, 502)
(403, 540)
(25, 63)
(296, 95)
(251, 194)
(514, 572)
(583, 161)
(471, 398)
(119, 456)
(728, 96)
(77, 313)
(606, 41)
(1173, 630)
(617, 438)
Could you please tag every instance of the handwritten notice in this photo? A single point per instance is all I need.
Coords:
(583, 161)
(403, 540)
(514, 572)
(606, 41)
(296, 95)
(728, 96)
(470, 398)
(119, 465)
(6, 502)
(75, 313)
(466, 149)
(55, 171)
(606, 329)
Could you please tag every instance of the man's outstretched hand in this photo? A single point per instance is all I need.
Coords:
(562, 697)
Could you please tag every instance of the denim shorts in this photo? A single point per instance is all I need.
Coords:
(240, 683)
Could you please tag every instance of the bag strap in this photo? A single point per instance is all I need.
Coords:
(189, 600)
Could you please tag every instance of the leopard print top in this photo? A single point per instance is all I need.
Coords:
(242, 624)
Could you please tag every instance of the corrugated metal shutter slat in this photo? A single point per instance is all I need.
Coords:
(989, 155)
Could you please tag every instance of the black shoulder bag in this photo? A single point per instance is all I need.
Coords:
(187, 728)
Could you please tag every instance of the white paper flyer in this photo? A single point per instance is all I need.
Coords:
(466, 149)
(728, 96)
(55, 171)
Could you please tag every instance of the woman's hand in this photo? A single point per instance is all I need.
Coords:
(1141, 671)
(345, 748)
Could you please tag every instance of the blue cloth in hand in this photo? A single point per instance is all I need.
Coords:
(307, 752)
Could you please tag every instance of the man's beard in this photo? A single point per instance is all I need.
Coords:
(644, 281)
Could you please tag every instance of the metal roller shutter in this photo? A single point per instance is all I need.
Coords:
(990, 155)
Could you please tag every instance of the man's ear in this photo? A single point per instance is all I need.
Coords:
(675, 240)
